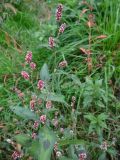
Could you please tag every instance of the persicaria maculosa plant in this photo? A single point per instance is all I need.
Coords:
(49, 135)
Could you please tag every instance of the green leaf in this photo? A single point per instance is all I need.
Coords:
(44, 73)
(102, 156)
(102, 116)
(34, 149)
(71, 152)
(24, 112)
(112, 151)
(64, 142)
(64, 158)
(22, 139)
(53, 97)
(91, 117)
(47, 140)
(75, 79)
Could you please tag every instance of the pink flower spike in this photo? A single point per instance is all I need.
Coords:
(16, 155)
(51, 42)
(28, 57)
(63, 64)
(62, 28)
(34, 135)
(36, 124)
(41, 84)
(32, 65)
(82, 156)
(59, 12)
(43, 119)
(25, 75)
(48, 104)
(32, 105)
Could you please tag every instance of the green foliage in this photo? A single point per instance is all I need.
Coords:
(40, 148)
(44, 73)
(24, 113)
(97, 123)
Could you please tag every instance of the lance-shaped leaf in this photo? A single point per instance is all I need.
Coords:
(23, 139)
(53, 97)
(65, 142)
(24, 113)
(47, 140)
(44, 73)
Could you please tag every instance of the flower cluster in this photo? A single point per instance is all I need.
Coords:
(59, 12)
(48, 104)
(62, 28)
(32, 105)
(63, 64)
(16, 155)
(43, 119)
(51, 42)
(32, 65)
(34, 135)
(41, 85)
(28, 60)
(36, 124)
(82, 156)
(25, 75)
(28, 57)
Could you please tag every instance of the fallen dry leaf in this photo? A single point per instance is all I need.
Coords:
(101, 37)
(11, 7)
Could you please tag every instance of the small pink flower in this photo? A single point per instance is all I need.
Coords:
(51, 42)
(62, 28)
(32, 65)
(36, 124)
(16, 155)
(25, 75)
(34, 135)
(41, 84)
(32, 105)
(43, 119)
(82, 156)
(63, 64)
(48, 104)
(28, 57)
(59, 12)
